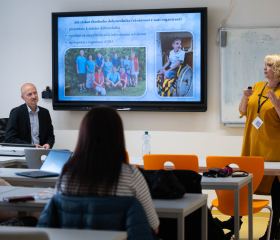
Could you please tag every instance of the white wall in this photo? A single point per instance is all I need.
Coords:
(25, 40)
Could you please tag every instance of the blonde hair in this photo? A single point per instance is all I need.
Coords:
(274, 59)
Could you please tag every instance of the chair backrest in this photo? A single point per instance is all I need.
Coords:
(3, 125)
(181, 162)
(188, 59)
(33, 157)
(127, 157)
(254, 165)
(100, 213)
(17, 234)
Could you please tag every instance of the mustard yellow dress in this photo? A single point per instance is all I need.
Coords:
(265, 141)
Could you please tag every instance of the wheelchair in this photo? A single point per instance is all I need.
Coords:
(181, 84)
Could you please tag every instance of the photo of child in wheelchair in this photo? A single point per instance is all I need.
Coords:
(176, 81)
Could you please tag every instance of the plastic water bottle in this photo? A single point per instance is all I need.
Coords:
(146, 144)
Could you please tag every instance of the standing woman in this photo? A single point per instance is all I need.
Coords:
(134, 69)
(108, 66)
(261, 106)
(98, 166)
(90, 65)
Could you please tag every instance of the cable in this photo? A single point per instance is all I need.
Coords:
(224, 21)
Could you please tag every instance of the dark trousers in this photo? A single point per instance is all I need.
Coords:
(275, 200)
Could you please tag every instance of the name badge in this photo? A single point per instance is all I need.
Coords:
(257, 122)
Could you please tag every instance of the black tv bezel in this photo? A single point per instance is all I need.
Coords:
(128, 105)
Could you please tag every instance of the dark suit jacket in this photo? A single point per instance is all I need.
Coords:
(19, 131)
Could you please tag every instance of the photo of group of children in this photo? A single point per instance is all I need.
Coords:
(105, 71)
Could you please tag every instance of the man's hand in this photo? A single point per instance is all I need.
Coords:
(38, 146)
(46, 146)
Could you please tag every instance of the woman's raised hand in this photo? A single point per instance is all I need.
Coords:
(247, 92)
(273, 98)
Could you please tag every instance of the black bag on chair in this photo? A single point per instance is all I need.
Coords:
(163, 184)
(27, 221)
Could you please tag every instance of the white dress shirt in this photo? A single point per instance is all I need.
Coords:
(34, 125)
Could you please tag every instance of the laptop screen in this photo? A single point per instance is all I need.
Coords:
(55, 161)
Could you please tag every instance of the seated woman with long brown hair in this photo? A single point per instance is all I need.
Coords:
(98, 166)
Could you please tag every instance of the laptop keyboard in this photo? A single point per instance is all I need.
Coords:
(37, 173)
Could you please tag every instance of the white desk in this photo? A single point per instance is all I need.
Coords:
(180, 208)
(230, 183)
(30, 206)
(6, 161)
(70, 234)
(270, 168)
(7, 189)
(175, 208)
(8, 174)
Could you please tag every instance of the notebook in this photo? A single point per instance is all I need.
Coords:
(11, 151)
(17, 145)
(52, 165)
(14, 149)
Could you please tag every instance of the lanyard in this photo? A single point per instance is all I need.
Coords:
(260, 96)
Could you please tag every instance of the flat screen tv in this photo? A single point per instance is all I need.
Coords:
(137, 60)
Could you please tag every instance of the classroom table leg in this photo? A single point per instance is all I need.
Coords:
(250, 210)
(181, 227)
(236, 213)
(204, 213)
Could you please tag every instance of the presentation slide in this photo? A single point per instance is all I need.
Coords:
(152, 57)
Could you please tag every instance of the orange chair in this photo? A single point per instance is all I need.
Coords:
(225, 201)
(127, 157)
(181, 162)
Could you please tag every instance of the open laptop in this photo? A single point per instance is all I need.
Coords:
(52, 165)
(33, 157)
